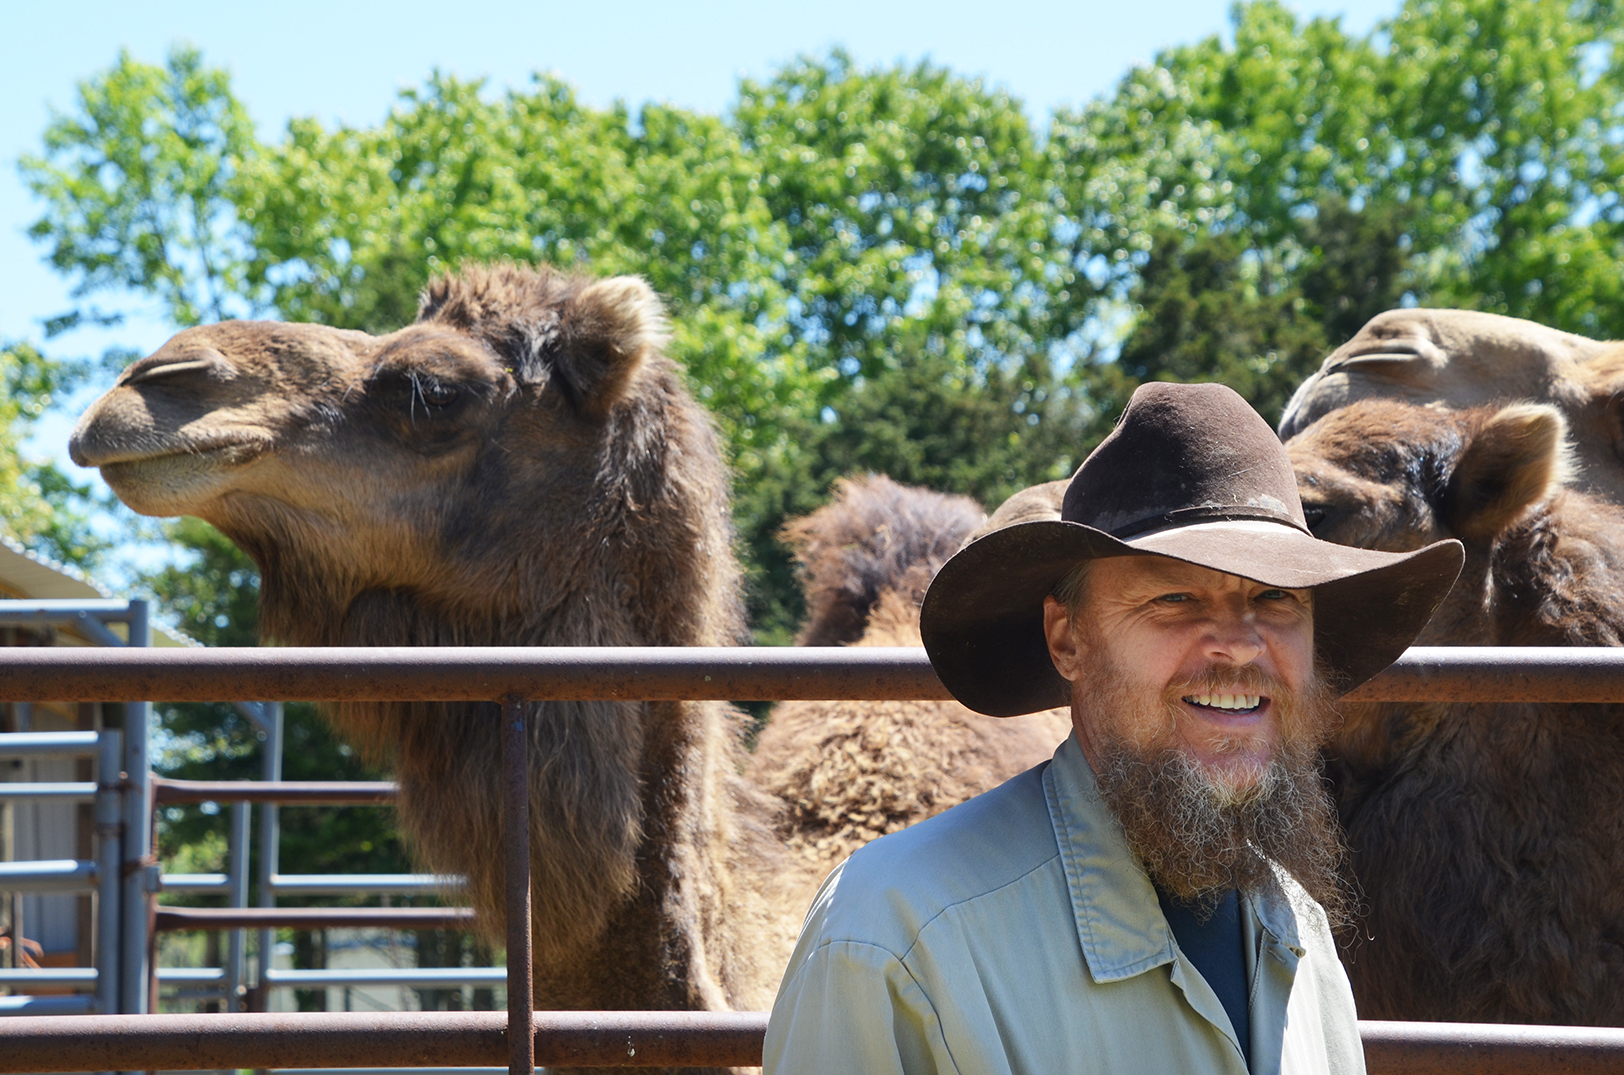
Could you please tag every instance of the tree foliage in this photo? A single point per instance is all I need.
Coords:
(40, 506)
(137, 185)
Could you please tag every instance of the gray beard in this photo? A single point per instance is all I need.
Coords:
(1198, 840)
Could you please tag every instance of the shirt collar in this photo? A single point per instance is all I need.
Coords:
(1119, 923)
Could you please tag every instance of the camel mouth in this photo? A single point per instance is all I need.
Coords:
(1233, 705)
(223, 452)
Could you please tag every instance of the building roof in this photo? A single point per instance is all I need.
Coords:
(26, 575)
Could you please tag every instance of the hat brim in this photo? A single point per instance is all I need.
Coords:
(982, 618)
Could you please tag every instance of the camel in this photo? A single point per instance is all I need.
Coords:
(1460, 359)
(1486, 838)
(520, 466)
(849, 774)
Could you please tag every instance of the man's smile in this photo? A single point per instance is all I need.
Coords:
(1230, 703)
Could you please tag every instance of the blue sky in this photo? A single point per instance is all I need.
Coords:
(345, 62)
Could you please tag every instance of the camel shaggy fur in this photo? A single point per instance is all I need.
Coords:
(847, 773)
(522, 466)
(1460, 359)
(1486, 838)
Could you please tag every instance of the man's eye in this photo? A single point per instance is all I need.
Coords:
(1273, 595)
(1171, 597)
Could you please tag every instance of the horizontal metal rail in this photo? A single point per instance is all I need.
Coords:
(471, 673)
(175, 919)
(389, 1039)
(437, 977)
(48, 875)
(89, 618)
(75, 791)
(424, 977)
(29, 978)
(1423, 674)
(194, 882)
(321, 884)
(35, 744)
(349, 884)
(53, 1006)
(645, 1039)
(283, 792)
(33, 977)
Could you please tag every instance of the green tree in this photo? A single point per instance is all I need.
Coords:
(136, 185)
(1234, 198)
(1211, 308)
(40, 506)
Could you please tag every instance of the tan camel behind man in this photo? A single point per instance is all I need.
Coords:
(1487, 838)
(1459, 359)
(846, 773)
(521, 466)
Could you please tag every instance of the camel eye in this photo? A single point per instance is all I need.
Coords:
(1313, 516)
(437, 393)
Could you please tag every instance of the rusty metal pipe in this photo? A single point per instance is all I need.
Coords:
(1424, 674)
(174, 919)
(1499, 674)
(1397, 1048)
(371, 1040)
(646, 1039)
(516, 850)
(289, 792)
(468, 674)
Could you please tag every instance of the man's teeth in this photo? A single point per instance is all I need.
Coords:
(1226, 701)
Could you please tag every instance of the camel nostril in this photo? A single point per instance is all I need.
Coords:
(156, 368)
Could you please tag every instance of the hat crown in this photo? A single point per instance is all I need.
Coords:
(1183, 454)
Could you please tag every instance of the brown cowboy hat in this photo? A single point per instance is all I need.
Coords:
(1191, 472)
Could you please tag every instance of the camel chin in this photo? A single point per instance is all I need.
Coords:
(169, 485)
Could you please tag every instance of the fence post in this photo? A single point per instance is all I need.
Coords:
(134, 967)
(516, 848)
(269, 852)
(109, 861)
(238, 865)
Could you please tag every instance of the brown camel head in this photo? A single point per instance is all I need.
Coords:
(1380, 474)
(515, 446)
(1462, 359)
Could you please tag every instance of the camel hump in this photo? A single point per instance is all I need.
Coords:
(591, 336)
(874, 537)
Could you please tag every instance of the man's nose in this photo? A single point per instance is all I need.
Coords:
(1235, 638)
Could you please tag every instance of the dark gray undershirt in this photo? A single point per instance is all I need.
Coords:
(1215, 945)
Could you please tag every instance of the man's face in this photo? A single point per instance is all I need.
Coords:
(1197, 660)
(1195, 700)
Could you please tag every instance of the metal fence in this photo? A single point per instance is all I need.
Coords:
(124, 976)
(514, 676)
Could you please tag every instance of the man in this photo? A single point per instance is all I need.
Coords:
(1146, 901)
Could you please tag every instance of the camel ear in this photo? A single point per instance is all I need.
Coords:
(1516, 460)
(607, 330)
